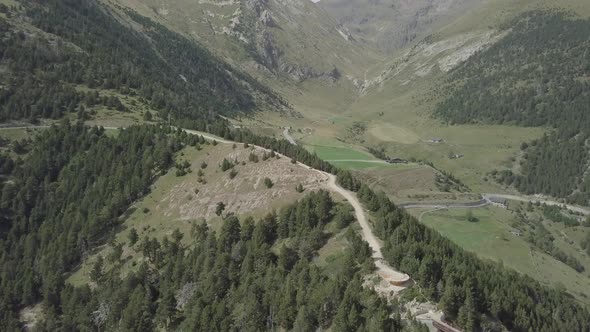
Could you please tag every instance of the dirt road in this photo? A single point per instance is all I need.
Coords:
(288, 136)
(383, 269)
(360, 215)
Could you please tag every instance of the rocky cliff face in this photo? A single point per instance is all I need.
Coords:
(260, 25)
(392, 24)
(294, 39)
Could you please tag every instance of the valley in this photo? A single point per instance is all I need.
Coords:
(294, 165)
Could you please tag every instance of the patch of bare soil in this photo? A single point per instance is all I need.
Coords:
(29, 316)
(245, 193)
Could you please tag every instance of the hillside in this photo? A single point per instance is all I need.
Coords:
(250, 165)
(293, 40)
(535, 76)
(58, 55)
(391, 25)
(227, 267)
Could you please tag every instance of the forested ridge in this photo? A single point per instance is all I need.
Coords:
(233, 280)
(537, 75)
(67, 196)
(82, 43)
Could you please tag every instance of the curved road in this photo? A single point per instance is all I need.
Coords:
(574, 208)
(486, 197)
(445, 205)
(383, 269)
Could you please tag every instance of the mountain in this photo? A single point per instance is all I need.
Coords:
(391, 25)
(537, 75)
(115, 215)
(297, 40)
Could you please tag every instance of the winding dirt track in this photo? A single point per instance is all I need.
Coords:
(359, 213)
(384, 270)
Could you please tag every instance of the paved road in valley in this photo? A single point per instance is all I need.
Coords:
(574, 208)
(446, 205)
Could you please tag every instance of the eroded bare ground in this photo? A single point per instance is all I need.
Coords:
(29, 316)
(245, 193)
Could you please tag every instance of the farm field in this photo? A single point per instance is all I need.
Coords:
(490, 238)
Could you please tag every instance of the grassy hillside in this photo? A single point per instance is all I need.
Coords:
(492, 237)
(292, 40)
(393, 25)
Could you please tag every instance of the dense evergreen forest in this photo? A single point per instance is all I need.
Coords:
(234, 281)
(79, 43)
(64, 198)
(535, 76)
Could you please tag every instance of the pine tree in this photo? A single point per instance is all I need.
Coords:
(299, 188)
(97, 269)
(219, 208)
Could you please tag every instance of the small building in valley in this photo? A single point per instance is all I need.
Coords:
(499, 202)
(396, 161)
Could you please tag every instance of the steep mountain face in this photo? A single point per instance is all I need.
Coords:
(295, 39)
(392, 24)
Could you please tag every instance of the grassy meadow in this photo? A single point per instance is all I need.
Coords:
(490, 238)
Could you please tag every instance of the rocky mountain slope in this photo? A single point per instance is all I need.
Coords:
(390, 25)
(292, 39)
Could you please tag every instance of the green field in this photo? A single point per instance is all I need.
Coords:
(490, 238)
(17, 134)
(330, 153)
